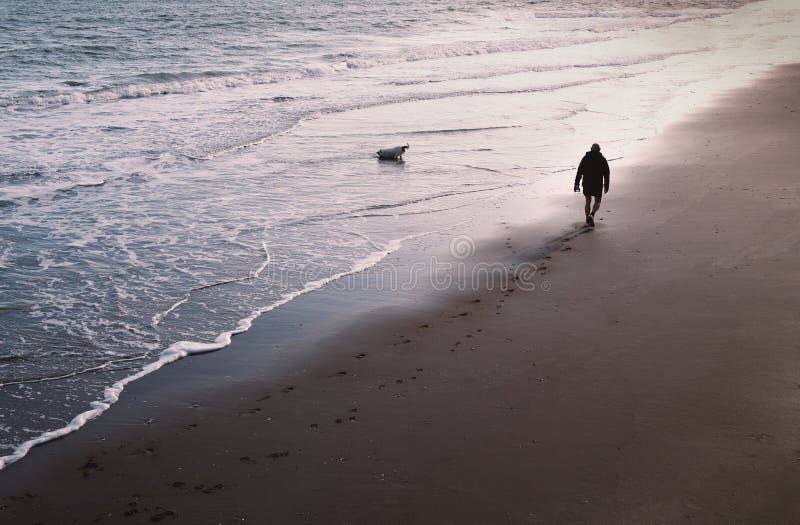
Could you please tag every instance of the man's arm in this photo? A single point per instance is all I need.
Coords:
(606, 175)
(578, 175)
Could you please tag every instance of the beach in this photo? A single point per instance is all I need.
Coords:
(166, 183)
(650, 376)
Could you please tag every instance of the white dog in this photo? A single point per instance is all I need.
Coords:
(395, 153)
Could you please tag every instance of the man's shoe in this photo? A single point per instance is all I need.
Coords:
(589, 220)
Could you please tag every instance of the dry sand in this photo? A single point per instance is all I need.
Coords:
(657, 381)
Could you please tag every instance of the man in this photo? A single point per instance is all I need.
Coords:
(594, 170)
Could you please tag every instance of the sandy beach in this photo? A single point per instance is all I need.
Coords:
(651, 377)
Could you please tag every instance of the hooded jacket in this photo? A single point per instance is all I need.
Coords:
(595, 173)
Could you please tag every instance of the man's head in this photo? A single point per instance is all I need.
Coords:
(596, 147)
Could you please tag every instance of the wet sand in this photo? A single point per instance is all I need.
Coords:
(653, 376)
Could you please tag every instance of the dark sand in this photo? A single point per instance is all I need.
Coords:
(657, 381)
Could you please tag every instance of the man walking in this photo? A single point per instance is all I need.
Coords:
(595, 173)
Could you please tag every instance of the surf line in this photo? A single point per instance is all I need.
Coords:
(75, 373)
(157, 318)
(181, 349)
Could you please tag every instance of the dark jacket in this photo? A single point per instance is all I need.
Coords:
(594, 170)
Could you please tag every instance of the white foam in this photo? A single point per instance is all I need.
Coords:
(148, 89)
(255, 273)
(410, 54)
(161, 315)
(73, 373)
(28, 191)
(182, 349)
(237, 147)
(5, 256)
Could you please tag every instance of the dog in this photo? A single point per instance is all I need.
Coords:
(395, 153)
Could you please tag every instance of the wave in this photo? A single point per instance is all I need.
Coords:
(208, 155)
(152, 84)
(384, 101)
(16, 192)
(168, 83)
(23, 175)
(368, 211)
(157, 318)
(74, 373)
(182, 349)
(458, 130)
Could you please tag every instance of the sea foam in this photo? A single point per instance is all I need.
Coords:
(182, 349)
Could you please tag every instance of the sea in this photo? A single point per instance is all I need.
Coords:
(172, 170)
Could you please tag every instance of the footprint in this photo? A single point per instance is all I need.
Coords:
(208, 490)
(263, 398)
(90, 467)
(162, 513)
(215, 488)
(248, 460)
(132, 509)
(26, 495)
(143, 452)
(276, 455)
(360, 356)
(339, 373)
(288, 389)
(426, 325)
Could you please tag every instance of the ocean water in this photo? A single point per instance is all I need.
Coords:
(169, 171)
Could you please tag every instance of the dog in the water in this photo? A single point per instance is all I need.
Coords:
(395, 153)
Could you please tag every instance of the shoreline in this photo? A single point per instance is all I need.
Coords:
(659, 386)
(518, 135)
(406, 253)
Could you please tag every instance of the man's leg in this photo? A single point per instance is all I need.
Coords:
(588, 204)
(596, 206)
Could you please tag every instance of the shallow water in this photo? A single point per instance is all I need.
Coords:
(165, 174)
